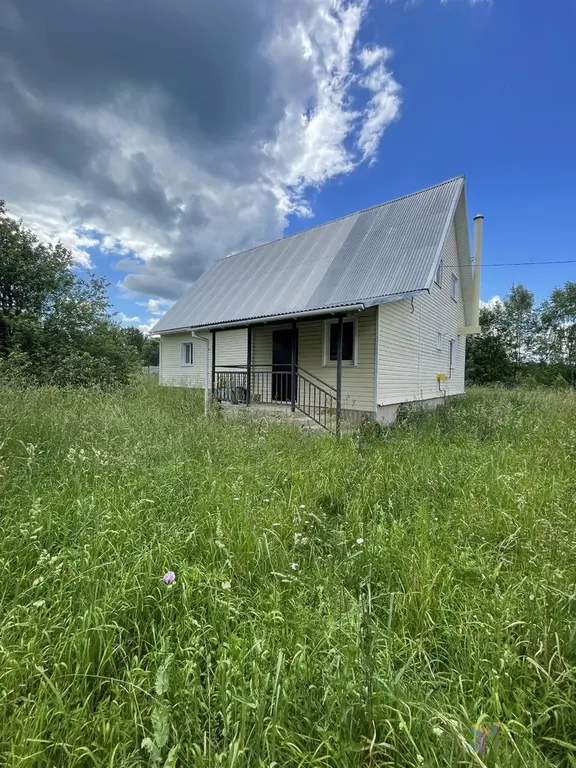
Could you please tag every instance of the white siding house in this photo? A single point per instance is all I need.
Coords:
(352, 318)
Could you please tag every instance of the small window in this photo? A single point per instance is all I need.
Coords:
(439, 340)
(188, 354)
(452, 356)
(455, 288)
(438, 277)
(347, 342)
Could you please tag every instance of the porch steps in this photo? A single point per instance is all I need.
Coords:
(275, 414)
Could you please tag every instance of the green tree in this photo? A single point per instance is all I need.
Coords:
(55, 326)
(487, 358)
(519, 326)
(559, 324)
(151, 352)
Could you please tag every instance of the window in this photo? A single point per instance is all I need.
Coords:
(438, 276)
(455, 285)
(348, 342)
(187, 354)
(452, 356)
(439, 340)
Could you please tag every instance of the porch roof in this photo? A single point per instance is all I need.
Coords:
(381, 254)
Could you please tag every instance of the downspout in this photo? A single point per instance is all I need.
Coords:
(474, 327)
(206, 358)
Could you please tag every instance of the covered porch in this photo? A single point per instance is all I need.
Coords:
(322, 366)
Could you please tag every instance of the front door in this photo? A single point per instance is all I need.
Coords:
(282, 365)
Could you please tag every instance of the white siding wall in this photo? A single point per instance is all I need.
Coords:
(408, 361)
(231, 347)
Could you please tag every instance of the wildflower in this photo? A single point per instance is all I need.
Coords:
(266, 501)
(302, 506)
(294, 566)
(437, 731)
(236, 498)
(419, 758)
(532, 597)
(169, 578)
(38, 603)
(226, 585)
(360, 540)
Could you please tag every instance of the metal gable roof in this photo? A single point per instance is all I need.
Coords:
(388, 250)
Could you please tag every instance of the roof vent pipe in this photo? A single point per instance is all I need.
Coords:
(474, 318)
(478, 225)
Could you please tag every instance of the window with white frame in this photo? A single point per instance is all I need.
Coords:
(455, 287)
(438, 276)
(348, 342)
(452, 356)
(187, 354)
(439, 340)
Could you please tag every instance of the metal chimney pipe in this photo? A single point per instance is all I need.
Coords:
(478, 225)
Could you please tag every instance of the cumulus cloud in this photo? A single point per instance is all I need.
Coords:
(168, 134)
(491, 303)
(127, 320)
(155, 306)
(174, 133)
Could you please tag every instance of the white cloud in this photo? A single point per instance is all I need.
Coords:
(147, 325)
(495, 301)
(334, 98)
(204, 149)
(127, 320)
(155, 306)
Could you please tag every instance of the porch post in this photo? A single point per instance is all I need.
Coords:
(249, 366)
(213, 362)
(339, 374)
(293, 367)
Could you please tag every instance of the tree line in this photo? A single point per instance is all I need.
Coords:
(56, 327)
(525, 344)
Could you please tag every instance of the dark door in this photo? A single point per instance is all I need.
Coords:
(282, 365)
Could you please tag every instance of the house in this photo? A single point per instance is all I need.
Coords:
(347, 319)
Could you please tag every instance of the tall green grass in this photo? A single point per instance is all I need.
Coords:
(361, 603)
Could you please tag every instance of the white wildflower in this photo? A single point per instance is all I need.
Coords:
(226, 585)
(236, 498)
(360, 540)
(38, 603)
(302, 506)
(437, 731)
(294, 566)
(266, 501)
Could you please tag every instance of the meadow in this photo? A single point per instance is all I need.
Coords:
(366, 602)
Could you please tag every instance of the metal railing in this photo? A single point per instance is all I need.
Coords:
(302, 391)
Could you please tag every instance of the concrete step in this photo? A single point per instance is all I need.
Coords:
(278, 414)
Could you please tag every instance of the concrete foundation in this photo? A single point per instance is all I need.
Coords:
(386, 414)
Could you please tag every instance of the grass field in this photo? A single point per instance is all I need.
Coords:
(362, 603)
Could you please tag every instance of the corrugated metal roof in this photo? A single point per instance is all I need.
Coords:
(388, 250)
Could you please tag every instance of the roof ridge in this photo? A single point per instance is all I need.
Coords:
(341, 218)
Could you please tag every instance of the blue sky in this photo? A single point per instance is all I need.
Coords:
(158, 164)
(485, 93)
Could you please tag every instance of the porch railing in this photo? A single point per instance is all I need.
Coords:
(302, 391)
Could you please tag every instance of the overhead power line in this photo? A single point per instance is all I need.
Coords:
(520, 263)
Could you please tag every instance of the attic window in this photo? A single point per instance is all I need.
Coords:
(438, 275)
(455, 287)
